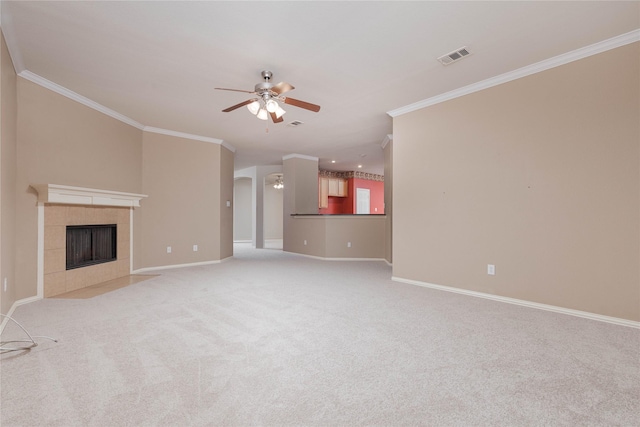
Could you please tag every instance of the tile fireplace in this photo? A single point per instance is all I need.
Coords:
(62, 208)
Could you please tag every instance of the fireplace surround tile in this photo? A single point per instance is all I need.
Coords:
(56, 278)
(55, 237)
(123, 248)
(123, 217)
(124, 267)
(55, 283)
(76, 215)
(56, 215)
(76, 279)
(54, 260)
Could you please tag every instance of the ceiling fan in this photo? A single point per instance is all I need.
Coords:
(266, 102)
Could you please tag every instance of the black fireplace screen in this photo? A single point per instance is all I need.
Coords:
(90, 244)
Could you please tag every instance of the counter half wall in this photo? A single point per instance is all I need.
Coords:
(337, 236)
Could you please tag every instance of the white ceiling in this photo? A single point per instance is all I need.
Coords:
(158, 62)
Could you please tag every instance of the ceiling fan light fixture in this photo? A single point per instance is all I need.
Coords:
(254, 107)
(279, 183)
(279, 111)
(262, 114)
(272, 106)
(267, 101)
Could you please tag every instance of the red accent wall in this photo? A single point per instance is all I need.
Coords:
(347, 205)
(336, 206)
(376, 194)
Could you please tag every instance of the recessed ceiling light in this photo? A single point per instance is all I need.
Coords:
(333, 161)
(359, 166)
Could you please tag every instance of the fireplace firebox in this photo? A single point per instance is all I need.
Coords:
(91, 244)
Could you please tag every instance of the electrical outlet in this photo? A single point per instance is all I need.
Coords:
(305, 243)
(4, 285)
(491, 269)
(195, 248)
(228, 203)
(168, 249)
(348, 244)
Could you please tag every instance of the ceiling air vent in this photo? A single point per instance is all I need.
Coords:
(295, 123)
(454, 56)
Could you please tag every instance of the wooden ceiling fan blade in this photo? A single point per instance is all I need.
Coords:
(242, 104)
(234, 90)
(302, 104)
(282, 87)
(275, 118)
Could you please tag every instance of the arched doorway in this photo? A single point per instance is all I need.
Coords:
(273, 211)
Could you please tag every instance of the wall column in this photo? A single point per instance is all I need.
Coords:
(300, 191)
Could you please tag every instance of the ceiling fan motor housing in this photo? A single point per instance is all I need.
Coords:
(260, 88)
(263, 88)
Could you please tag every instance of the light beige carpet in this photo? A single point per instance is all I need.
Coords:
(270, 338)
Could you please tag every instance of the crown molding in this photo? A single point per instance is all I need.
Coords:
(48, 84)
(299, 156)
(538, 67)
(189, 136)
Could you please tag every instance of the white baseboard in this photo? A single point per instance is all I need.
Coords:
(13, 308)
(530, 304)
(169, 267)
(336, 259)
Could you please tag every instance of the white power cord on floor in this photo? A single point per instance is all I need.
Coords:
(31, 341)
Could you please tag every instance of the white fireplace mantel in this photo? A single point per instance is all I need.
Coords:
(55, 193)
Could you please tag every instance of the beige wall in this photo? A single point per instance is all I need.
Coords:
(328, 236)
(242, 210)
(183, 180)
(388, 200)
(300, 196)
(539, 176)
(297, 230)
(8, 138)
(365, 233)
(225, 185)
(63, 142)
